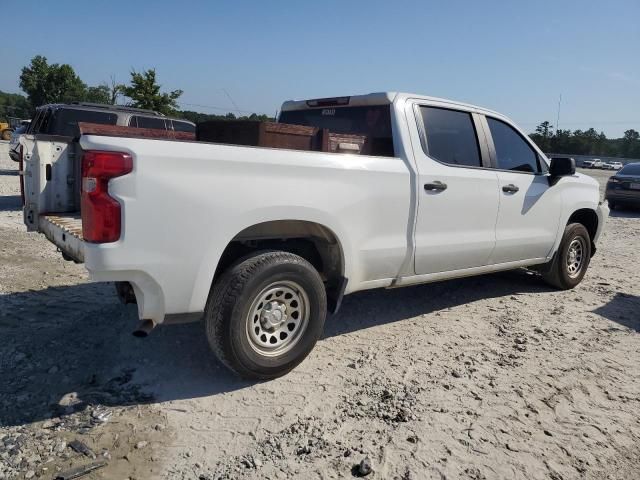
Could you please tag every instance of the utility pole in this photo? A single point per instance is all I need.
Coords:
(558, 116)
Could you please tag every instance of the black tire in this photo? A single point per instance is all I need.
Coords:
(230, 314)
(612, 205)
(561, 272)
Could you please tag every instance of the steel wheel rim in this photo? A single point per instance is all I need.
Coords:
(575, 257)
(277, 318)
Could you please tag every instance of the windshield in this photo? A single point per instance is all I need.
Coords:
(631, 169)
(373, 121)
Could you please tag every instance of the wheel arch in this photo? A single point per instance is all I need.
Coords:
(329, 257)
(313, 241)
(589, 218)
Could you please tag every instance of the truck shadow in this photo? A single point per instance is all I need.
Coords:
(624, 309)
(627, 212)
(10, 203)
(77, 340)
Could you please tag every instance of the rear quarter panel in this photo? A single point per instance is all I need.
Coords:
(184, 202)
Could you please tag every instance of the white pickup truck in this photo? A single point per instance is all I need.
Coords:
(262, 242)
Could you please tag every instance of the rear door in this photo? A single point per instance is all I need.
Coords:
(458, 191)
(530, 208)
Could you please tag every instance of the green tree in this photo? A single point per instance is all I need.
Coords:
(13, 105)
(144, 92)
(630, 145)
(543, 136)
(44, 83)
(99, 94)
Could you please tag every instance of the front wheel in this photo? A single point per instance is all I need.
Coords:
(571, 261)
(265, 314)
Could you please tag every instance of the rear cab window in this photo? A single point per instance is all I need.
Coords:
(450, 137)
(374, 121)
(512, 152)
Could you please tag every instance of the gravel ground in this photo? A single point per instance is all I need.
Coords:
(488, 377)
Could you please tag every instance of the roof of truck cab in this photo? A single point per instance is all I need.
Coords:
(377, 98)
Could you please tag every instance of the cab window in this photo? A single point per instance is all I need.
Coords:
(512, 151)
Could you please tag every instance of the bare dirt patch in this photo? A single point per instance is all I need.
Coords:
(487, 377)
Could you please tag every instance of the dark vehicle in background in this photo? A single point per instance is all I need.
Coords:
(623, 189)
(62, 119)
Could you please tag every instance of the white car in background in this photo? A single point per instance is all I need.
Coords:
(615, 165)
(597, 163)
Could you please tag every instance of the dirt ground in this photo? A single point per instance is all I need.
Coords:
(488, 377)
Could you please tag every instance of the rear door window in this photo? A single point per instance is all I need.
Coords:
(450, 137)
(156, 123)
(512, 151)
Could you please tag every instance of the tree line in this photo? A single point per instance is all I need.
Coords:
(45, 82)
(58, 83)
(586, 142)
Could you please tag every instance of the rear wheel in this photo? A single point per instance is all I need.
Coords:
(612, 205)
(571, 261)
(265, 314)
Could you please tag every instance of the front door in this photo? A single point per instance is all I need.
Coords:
(530, 208)
(457, 194)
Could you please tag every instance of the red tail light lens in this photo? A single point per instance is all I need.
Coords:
(101, 213)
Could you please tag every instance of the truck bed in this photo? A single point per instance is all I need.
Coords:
(65, 231)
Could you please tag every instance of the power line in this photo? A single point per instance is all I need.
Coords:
(231, 99)
(224, 109)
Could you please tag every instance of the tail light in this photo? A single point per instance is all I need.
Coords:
(101, 213)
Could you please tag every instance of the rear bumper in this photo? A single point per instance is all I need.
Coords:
(623, 196)
(65, 232)
(150, 298)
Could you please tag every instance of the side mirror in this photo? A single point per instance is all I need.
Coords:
(561, 167)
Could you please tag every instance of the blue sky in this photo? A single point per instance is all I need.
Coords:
(512, 56)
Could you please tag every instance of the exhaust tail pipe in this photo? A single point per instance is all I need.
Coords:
(144, 328)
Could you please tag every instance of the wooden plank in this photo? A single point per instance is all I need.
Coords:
(258, 134)
(132, 132)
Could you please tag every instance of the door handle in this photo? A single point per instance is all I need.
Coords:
(511, 188)
(435, 186)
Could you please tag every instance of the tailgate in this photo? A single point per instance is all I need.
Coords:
(51, 166)
(65, 232)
